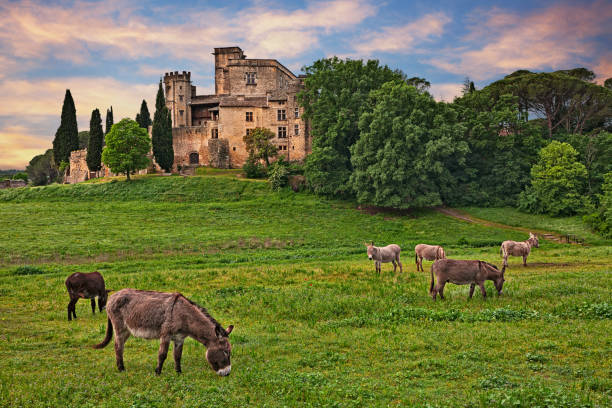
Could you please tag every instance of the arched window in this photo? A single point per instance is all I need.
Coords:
(194, 158)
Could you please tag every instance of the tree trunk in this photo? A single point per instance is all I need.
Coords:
(127, 173)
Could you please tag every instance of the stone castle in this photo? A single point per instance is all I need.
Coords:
(209, 129)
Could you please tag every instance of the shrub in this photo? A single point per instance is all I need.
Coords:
(254, 169)
(278, 174)
(28, 270)
(601, 220)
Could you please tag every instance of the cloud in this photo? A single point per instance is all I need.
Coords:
(403, 39)
(446, 91)
(603, 69)
(553, 38)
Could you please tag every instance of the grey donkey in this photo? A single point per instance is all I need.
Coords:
(462, 272)
(167, 317)
(429, 252)
(389, 253)
(519, 248)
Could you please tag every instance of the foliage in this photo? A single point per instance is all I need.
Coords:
(20, 176)
(42, 169)
(503, 147)
(408, 147)
(161, 137)
(259, 146)
(608, 83)
(601, 220)
(254, 169)
(335, 95)
(94, 149)
(67, 135)
(595, 151)
(143, 117)
(109, 120)
(558, 183)
(278, 174)
(83, 139)
(28, 270)
(127, 146)
(421, 84)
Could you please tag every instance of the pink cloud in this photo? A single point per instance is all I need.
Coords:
(554, 38)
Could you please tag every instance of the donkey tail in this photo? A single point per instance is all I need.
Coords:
(416, 258)
(431, 285)
(109, 336)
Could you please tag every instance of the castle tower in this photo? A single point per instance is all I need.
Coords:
(178, 97)
(222, 59)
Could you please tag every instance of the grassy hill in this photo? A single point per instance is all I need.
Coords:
(314, 324)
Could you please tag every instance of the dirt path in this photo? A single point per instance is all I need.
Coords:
(460, 215)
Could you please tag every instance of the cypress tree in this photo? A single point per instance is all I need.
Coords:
(144, 118)
(162, 132)
(96, 135)
(109, 120)
(67, 135)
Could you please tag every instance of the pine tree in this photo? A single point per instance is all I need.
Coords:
(67, 135)
(96, 135)
(109, 120)
(144, 118)
(162, 132)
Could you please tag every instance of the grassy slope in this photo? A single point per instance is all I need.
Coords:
(314, 325)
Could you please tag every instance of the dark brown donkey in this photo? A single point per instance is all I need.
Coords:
(86, 286)
(462, 272)
(167, 317)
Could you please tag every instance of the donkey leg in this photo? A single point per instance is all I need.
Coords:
(483, 290)
(394, 266)
(70, 304)
(440, 289)
(472, 286)
(400, 264)
(178, 352)
(524, 260)
(93, 305)
(120, 337)
(162, 353)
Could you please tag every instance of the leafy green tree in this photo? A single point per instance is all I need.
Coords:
(20, 176)
(258, 144)
(83, 139)
(163, 150)
(109, 120)
(421, 84)
(503, 147)
(335, 95)
(601, 220)
(144, 118)
(558, 183)
(67, 135)
(42, 169)
(96, 135)
(127, 146)
(408, 150)
(595, 151)
(608, 83)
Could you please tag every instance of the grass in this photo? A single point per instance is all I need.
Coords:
(314, 325)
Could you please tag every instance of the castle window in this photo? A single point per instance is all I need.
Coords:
(296, 130)
(180, 87)
(249, 131)
(214, 133)
(281, 102)
(249, 116)
(282, 132)
(181, 113)
(234, 148)
(250, 78)
(194, 158)
(297, 112)
(281, 114)
(181, 98)
(294, 98)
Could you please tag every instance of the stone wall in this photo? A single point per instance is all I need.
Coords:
(12, 183)
(78, 170)
(219, 153)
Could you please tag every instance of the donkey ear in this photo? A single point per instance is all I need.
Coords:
(229, 329)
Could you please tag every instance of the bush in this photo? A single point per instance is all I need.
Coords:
(278, 174)
(21, 176)
(28, 270)
(601, 220)
(254, 169)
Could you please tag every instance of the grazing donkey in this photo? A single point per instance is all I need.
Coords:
(518, 248)
(87, 286)
(462, 272)
(429, 252)
(390, 253)
(168, 317)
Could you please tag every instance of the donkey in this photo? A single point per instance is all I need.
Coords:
(518, 248)
(389, 253)
(429, 252)
(462, 272)
(87, 286)
(168, 317)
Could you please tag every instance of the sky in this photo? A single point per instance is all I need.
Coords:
(114, 52)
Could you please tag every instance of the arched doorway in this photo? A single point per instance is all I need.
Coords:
(194, 158)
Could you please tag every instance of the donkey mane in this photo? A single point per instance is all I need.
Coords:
(218, 327)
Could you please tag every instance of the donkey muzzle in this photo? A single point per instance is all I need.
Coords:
(225, 371)
(370, 258)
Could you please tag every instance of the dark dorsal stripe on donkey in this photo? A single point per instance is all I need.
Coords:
(168, 317)
(86, 286)
(389, 253)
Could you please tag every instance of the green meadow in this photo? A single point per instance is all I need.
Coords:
(314, 325)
